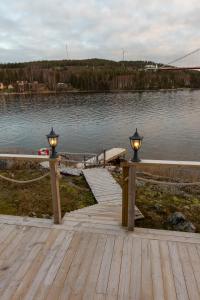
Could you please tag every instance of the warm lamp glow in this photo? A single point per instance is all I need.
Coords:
(53, 142)
(136, 142)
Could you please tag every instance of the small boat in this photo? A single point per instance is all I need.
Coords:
(43, 151)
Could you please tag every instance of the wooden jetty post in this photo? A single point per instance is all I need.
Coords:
(53, 163)
(129, 195)
(104, 158)
(125, 170)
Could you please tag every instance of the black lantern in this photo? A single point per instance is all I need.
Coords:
(53, 142)
(136, 142)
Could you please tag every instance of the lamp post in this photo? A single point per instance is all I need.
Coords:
(53, 163)
(136, 142)
(53, 142)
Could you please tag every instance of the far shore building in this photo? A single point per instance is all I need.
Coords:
(10, 87)
(1, 86)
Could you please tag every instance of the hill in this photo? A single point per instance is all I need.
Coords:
(91, 75)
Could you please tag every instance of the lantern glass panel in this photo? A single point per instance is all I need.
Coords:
(136, 144)
(53, 141)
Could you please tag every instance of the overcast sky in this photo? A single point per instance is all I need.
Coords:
(158, 30)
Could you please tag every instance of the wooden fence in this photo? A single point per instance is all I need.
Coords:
(129, 185)
(54, 174)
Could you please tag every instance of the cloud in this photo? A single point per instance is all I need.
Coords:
(155, 30)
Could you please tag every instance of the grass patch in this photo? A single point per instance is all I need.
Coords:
(35, 198)
(157, 204)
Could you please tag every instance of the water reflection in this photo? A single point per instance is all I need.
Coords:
(169, 122)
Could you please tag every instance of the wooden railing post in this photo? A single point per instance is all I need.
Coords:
(53, 163)
(131, 197)
(84, 161)
(125, 195)
(104, 158)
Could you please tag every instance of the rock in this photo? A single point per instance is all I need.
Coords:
(179, 222)
(33, 214)
(186, 207)
(176, 218)
(46, 216)
(158, 207)
(140, 183)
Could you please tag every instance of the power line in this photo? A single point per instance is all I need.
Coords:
(182, 57)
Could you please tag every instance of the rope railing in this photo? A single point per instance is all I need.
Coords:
(24, 181)
(77, 153)
(54, 178)
(162, 181)
(132, 176)
(181, 184)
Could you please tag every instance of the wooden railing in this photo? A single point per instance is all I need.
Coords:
(129, 184)
(54, 174)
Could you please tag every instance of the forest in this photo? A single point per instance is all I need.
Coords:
(93, 75)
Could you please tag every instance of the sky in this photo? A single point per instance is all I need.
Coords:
(154, 30)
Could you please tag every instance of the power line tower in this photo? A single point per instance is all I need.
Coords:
(123, 54)
(67, 51)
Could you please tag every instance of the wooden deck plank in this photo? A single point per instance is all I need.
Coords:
(104, 187)
(79, 285)
(96, 261)
(195, 261)
(124, 282)
(113, 281)
(179, 280)
(95, 268)
(56, 287)
(36, 243)
(74, 268)
(136, 269)
(10, 261)
(190, 280)
(168, 280)
(146, 280)
(51, 274)
(28, 279)
(158, 287)
(102, 281)
(45, 266)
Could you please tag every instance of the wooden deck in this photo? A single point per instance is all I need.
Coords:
(39, 260)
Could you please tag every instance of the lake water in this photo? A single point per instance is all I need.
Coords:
(169, 122)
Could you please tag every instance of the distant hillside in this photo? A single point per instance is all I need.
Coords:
(91, 74)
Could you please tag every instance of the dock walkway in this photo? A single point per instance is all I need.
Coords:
(107, 212)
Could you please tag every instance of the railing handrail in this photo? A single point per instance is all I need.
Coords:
(53, 163)
(77, 153)
(24, 157)
(129, 184)
(164, 163)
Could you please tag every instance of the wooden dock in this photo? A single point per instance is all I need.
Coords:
(106, 190)
(109, 155)
(39, 260)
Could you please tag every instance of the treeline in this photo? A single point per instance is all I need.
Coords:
(97, 75)
(93, 62)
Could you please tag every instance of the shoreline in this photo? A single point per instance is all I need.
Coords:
(94, 92)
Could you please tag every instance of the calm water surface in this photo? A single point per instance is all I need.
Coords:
(169, 122)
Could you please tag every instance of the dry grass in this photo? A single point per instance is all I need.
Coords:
(157, 202)
(26, 199)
